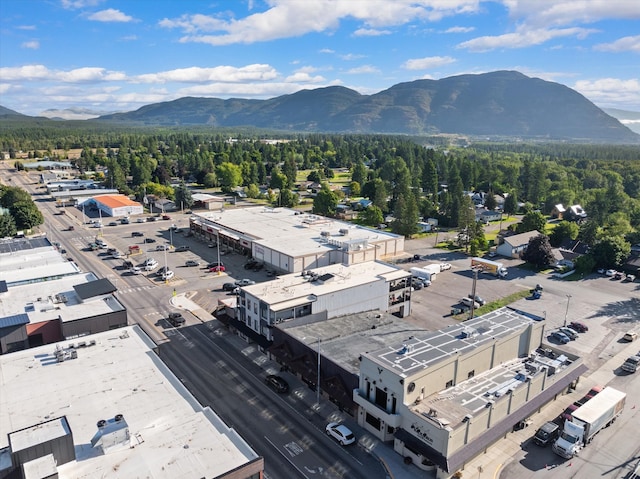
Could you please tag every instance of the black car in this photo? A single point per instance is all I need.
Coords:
(258, 267)
(175, 319)
(215, 265)
(149, 240)
(228, 286)
(250, 264)
(278, 384)
(136, 233)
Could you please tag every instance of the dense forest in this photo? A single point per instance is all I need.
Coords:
(407, 177)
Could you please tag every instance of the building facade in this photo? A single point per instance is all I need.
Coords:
(444, 397)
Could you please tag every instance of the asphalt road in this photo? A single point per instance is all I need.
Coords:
(281, 428)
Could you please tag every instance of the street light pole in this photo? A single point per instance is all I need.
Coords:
(318, 377)
(567, 311)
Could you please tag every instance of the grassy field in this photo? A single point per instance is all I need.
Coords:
(487, 308)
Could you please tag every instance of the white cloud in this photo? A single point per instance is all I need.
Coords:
(303, 77)
(5, 87)
(611, 92)
(370, 32)
(624, 44)
(110, 15)
(26, 27)
(256, 72)
(459, 30)
(287, 19)
(75, 4)
(545, 13)
(522, 38)
(427, 62)
(33, 45)
(326, 50)
(351, 56)
(42, 73)
(364, 69)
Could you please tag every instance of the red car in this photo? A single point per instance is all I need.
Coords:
(217, 269)
(580, 327)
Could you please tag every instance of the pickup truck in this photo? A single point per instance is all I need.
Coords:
(631, 364)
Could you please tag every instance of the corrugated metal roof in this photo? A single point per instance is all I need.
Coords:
(94, 288)
(15, 320)
(115, 201)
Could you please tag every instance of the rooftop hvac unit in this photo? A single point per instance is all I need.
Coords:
(325, 234)
(344, 231)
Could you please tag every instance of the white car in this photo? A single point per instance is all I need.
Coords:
(151, 262)
(162, 247)
(340, 433)
(150, 266)
(245, 282)
(610, 272)
(445, 266)
(168, 275)
(135, 270)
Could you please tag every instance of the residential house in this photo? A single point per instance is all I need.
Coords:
(513, 246)
(558, 211)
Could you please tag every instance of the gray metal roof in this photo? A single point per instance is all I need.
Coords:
(15, 320)
(21, 244)
(94, 288)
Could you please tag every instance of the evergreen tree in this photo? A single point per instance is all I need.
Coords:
(539, 252)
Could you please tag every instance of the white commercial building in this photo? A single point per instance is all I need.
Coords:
(291, 241)
(111, 408)
(325, 293)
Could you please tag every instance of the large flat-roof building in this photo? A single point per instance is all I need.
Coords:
(44, 298)
(445, 396)
(110, 409)
(116, 205)
(324, 293)
(291, 241)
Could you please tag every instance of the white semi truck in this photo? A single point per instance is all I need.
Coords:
(588, 420)
(487, 266)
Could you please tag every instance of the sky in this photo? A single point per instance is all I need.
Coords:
(83, 58)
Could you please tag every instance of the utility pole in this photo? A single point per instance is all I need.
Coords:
(473, 292)
(567, 311)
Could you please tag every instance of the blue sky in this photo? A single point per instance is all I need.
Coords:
(99, 56)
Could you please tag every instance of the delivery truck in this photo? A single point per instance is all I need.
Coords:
(487, 266)
(588, 420)
(429, 271)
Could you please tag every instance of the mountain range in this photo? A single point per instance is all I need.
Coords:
(496, 104)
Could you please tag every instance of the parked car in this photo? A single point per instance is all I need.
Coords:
(277, 383)
(479, 300)
(630, 336)
(470, 302)
(182, 248)
(149, 240)
(113, 223)
(228, 287)
(245, 282)
(577, 326)
(560, 337)
(162, 270)
(136, 233)
(546, 434)
(135, 270)
(619, 275)
(250, 264)
(258, 267)
(167, 275)
(417, 284)
(71, 228)
(217, 269)
(191, 263)
(149, 261)
(162, 247)
(610, 272)
(175, 319)
(340, 433)
(166, 217)
(572, 334)
(630, 278)
(214, 264)
(445, 266)
(150, 266)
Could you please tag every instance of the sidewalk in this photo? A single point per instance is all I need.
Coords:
(327, 412)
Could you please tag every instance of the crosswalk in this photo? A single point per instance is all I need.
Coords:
(134, 290)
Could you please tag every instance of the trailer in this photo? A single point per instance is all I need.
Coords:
(588, 420)
(487, 266)
(429, 272)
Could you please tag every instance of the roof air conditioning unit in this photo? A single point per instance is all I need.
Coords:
(344, 231)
